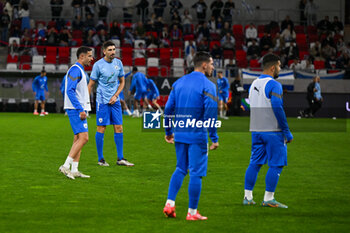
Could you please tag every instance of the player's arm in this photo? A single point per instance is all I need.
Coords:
(275, 92)
(46, 88)
(74, 77)
(34, 85)
(211, 111)
(120, 88)
(127, 74)
(169, 111)
(93, 77)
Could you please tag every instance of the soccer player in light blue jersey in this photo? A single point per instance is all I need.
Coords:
(153, 95)
(108, 73)
(39, 87)
(270, 132)
(139, 83)
(223, 86)
(193, 97)
(76, 104)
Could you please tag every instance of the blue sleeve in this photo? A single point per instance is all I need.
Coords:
(227, 85)
(73, 78)
(274, 92)
(34, 85)
(95, 72)
(127, 74)
(169, 111)
(210, 108)
(46, 88)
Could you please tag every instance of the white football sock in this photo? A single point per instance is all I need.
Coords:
(170, 202)
(128, 111)
(42, 110)
(224, 112)
(68, 162)
(248, 194)
(75, 166)
(192, 211)
(221, 114)
(269, 196)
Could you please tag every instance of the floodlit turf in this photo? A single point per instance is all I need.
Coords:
(35, 197)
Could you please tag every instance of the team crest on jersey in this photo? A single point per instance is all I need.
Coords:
(85, 126)
(116, 67)
(100, 120)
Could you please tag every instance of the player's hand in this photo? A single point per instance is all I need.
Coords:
(83, 115)
(34, 93)
(113, 100)
(214, 145)
(289, 141)
(169, 139)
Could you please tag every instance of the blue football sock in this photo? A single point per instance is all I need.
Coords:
(175, 183)
(251, 175)
(99, 144)
(118, 139)
(194, 191)
(271, 179)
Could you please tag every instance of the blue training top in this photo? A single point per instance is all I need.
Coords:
(39, 84)
(152, 87)
(139, 82)
(223, 85)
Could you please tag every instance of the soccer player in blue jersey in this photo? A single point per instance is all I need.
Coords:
(139, 83)
(76, 104)
(193, 97)
(153, 95)
(39, 87)
(223, 87)
(270, 132)
(108, 73)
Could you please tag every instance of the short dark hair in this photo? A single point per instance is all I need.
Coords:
(201, 57)
(134, 69)
(106, 44)
(83, 49)
(269, 60)
(220, 71)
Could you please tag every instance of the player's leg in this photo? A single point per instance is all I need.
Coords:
(220, 106)
(277, 158)
(42, 105)
(258, 158)
(198, 162)
(177, 178)
(36, 103)
(137, 98)
(154, 101)
(82, 139)
(102, 119)
(125, 107)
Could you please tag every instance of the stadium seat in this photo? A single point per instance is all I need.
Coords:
(152, 52)
(127, 61)
(319, 65)
(254, 63)
(25, 59)
(76, 34)
(127, 52)
(303, 55)
(164, 72)
(51, 51)
(237, 29)
(313, 38)
(227, 61)
(188, 37)
(261, 29)
(301, 39)
(177, 44)
(178, 72)
(212, 43)
(50, 67)
(116, 42)
(63, 52)
(37, 67)
(137, 42)
(142, 69)
(228, 54)
(11, 66)
(153, 62)
(299, 29)
(177, 53)
(11, 39)
(311, 30)
(153, 71)
(62, 68)
(25, 66)
(51, 24)
(50, 59)
(37, 59)
(12, 59)
(215, 36)
(290, 62)
(178, 62)
(63, 60)
(140, 62)
(154, 34)
(241, 55)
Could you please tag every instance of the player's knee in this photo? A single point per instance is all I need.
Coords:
(181, 171)
(84, 138)
(101, 129)
(277, 169)
(118, 128)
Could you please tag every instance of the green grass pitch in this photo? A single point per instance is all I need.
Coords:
(35, 197)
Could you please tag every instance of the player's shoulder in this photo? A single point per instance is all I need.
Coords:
(74, 71)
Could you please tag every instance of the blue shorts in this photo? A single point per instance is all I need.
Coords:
(121, 95)
(140, 95)
(223, 97)
(40, 95)
(268, 147)
(107, 114)
(151, 96)
(78, 125)
(192, 157)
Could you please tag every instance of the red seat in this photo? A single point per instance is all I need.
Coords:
(237, 29)
(51, 24)
(261, 29)
(140, 62)
(212, 43)
(50, 59)
(313, 38)
(254, 63)
(301, 39)
(303, 54)
(241, 55)
(26, 59)
(154, 34)
(189, 37)
(177, 53)
(127, 52)
(290, 62)
(63, 52)
(311, 30)
(63, 60)
(25, 66)
(12, 59)
(215, 36)
(127, 61)
(152, 52)
(228, 54)
(51, 51)
(164, 52)
(153, 71)
(76, 34)
(164, 72)
(78, 41)
(299, 29)
(178, 44)
(319, 65)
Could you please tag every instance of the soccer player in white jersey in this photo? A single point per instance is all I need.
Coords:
(108, 73)
(76, 104)
(270, 132)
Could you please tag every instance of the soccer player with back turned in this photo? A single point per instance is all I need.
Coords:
(76, 103)
(270, 132)
(108, 73)
(39, 87)
(192, 97)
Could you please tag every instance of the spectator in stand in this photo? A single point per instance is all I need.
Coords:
(186, 21)
(140, 52)
(216, 52)
(191, 45)
(189, 59)
(24, 15)
(201, 9)
(203, 46)
(102, 9)
(288, 34)
(291, 52)
(114, 31)
(266, 42)
(176, 20)
(343, 62)
(14, 48)
(316, 51)
(228, 42)
(4, 23)
(212, 24)
(175, 33)
(153, 17)
(345, 49)
(129, 36)
(158, 25)
(9, 9)
(278, 43)
(329, 40)
(151, 42)
(175, 6)
(142, 9)
(236, 90)
(140, 31)
(90, 7)
(216, 8)
(77, 23)
(56, 9)
(310, 12)
(228, 11)
(226, 29)
(287, 21)
(295, 65)
(308, 65)
(88, 41)
(26, 47)
(128, 8)
(219, 25)
(65, 37)
(302, 5)
(328, 51)
(203, 32)
(77, 7)
(100, 25)
(253, 51)
(251, 33)
(324, 26)
(165, 38)
(52, 37)
(337, 26)
(89, 23)
(150, 26)
(231, 66)
(158, 7)
(16, 32)
(15, 8)
(103, 36)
